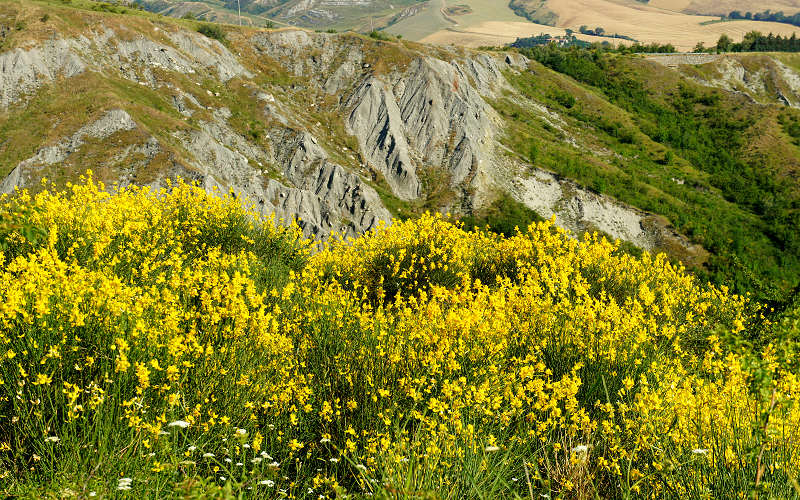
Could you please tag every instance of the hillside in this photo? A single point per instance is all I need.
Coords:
(345, 131)
(363, 15)
(647, 22)
(174, 345)
(250, 262)
(485, 22)
(724, 7)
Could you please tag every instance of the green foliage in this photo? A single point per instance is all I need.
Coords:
(504, 216)
(753, 228)
(379, 35)
(109, 7)
(754, 41)
(564, 98)
(214, 31)
(790, 121)
(18, 235)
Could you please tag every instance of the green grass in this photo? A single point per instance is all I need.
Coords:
(504, 216)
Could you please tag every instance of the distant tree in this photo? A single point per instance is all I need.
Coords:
(583, 29)
(748, 16)
(269, 24)
(724, 43)
(736, 15)
(700, 47)
(599, 31)
(188, 15)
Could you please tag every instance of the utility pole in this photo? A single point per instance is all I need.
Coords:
(239, 4)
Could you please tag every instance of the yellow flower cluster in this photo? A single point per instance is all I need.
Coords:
(176, 330)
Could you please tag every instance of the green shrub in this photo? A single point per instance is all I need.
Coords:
(214, 31)
(379, 35)
(503, 216)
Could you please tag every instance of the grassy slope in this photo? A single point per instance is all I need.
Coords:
(740, 215)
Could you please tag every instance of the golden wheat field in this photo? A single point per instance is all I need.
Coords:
(654, 22)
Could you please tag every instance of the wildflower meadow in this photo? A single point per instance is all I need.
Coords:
(172, 343)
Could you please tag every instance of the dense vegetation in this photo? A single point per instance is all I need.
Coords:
(767, 15)
(214, 31)
(758, 42)
(599, 31)
(171, 344)
(504, 216)
(546, 39)
(750, 225)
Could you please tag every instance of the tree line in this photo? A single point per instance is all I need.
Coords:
(754, 41)
(767, 15)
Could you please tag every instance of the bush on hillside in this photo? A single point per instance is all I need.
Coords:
(173, 343)
(379, 35)
(214, 31)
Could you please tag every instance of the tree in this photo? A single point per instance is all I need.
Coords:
(700, 47)
(724, 43)
(599, 31)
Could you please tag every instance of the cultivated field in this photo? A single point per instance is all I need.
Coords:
(431, 20)
(496, 33)
(650, 24)
(718, 7)
(645, 23)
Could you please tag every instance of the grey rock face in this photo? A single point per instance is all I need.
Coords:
(24, 71)
(209, 53)
(447, 121)
(375, 119)
(516, 60)
(322, 195)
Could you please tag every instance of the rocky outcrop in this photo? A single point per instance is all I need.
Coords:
(375, 119)
(408, 111)
(760, 78)
(323, 196)
(447, 121)
(110, 123)
(24, 71)
(210, 54)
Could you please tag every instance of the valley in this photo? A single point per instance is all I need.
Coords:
(271, 261)
(326, 127)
